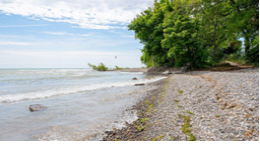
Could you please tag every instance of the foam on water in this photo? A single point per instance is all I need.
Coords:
(70, 90)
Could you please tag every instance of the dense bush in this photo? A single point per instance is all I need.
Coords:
(100, 67)
(118, 68)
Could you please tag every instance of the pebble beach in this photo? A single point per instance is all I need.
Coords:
(198, 105)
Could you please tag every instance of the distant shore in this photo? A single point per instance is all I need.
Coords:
(199, 105)
(130, 70)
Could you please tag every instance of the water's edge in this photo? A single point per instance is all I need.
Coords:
(136, 109)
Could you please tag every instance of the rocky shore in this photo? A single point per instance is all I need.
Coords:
(198, 105)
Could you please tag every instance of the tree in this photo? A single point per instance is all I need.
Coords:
(245, 22)
(181, 35)
(148, 29)
(214, 21)
(195, 32)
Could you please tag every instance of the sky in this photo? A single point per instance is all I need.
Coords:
(69, 34)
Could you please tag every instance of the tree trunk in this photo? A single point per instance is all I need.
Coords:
(247, 42)
(214, 41)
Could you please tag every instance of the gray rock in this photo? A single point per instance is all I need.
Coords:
(37, 107)
(139, 84)
(134, 78)
(166, 72)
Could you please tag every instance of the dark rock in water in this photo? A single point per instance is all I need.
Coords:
(37, 107)
(139, 84)
(134, 78)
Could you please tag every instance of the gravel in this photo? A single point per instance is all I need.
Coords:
(222, 106)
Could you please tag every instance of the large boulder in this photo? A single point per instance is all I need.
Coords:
(37, 107)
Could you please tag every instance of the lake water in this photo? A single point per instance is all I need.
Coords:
(81, 103)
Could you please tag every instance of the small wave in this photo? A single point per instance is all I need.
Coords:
(137, 73)
(63, 91)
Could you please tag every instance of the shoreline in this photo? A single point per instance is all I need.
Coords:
(141, 108)
(144, 70)
(198, 105)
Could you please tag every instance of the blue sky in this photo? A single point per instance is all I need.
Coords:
(68, 34)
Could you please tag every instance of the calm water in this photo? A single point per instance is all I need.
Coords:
(82, 104)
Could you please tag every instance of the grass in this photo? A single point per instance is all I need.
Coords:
(150, 107)
(190, 112)
(153, 98)
(173, 138)
(180, 91)
(163, 94)
(186, 128)
(147, 102)
(177, 101)
(157, 138)
(179, 106)
(143, 120)
(142, 127)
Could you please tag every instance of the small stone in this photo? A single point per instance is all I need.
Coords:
(248, 133)
(233, 105)
(224, 106)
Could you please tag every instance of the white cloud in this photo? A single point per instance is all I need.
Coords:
(71, 53)
(15, 26)
(90, 14)
(57, 33)
(67, 34)
(86, 35)
(128, 36)
(8, 43)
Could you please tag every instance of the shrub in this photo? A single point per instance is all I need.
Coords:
(100, 67)
(118, 68)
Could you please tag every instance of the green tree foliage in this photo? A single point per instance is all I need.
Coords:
(100, 67)
(244, 20)
(253, 53)
(181, 36)
(213, 21)
(148, 28)
(196, 32)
